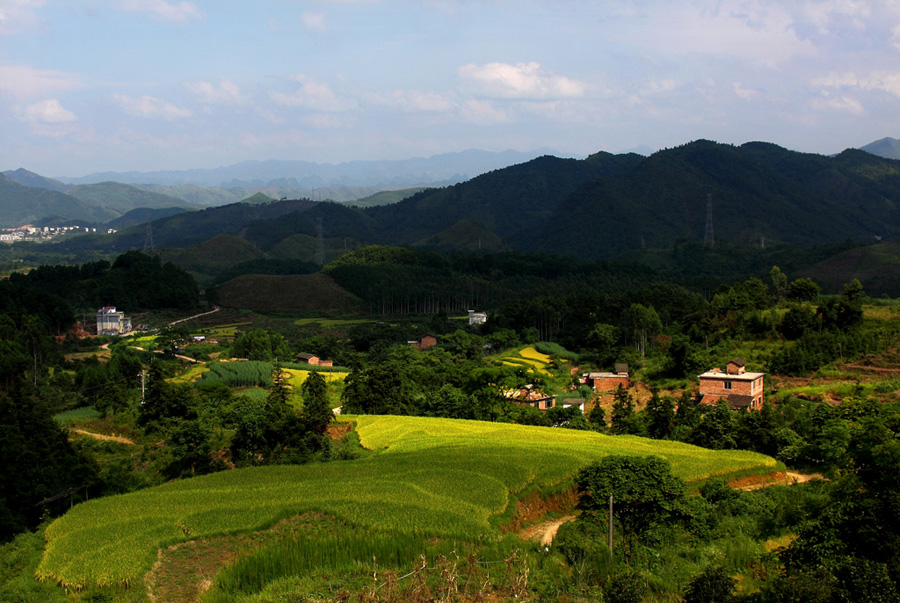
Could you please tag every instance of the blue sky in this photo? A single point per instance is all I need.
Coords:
(97, 85)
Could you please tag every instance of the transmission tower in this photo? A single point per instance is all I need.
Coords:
(320, 243)
(709, 237)
(148, 240)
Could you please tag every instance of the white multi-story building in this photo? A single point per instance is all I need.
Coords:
(110, 322)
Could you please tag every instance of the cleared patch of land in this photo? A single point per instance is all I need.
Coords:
(296, 293)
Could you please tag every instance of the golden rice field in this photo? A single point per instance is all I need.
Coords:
(528, 358)
(428, 477)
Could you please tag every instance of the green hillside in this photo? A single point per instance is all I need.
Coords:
(386, 197)
(212, 256)
(298, 293)
(466, 235)
(877, 267)
(483, 467)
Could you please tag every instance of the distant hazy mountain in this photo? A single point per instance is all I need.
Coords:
(888, 148)
(23, 176)
(436, 170)
(142, 215)
(120, 198)
(213, 196)
(20, 204)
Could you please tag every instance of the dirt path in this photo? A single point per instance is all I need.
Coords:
(106, 438)
(788, 478)
(545, 531)
(214, 310)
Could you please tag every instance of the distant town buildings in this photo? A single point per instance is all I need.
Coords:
(742, 390)
(111, 322)
(31, 233)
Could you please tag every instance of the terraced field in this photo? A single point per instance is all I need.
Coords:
(428, 477)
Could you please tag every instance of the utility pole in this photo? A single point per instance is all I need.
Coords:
(142, 385)
(610, 528)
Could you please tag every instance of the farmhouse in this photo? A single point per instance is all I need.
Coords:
(424, 342)
(313, 360)
(607, 382)
(529, 396)
(742, 390)
(110, 322)
(477, 318)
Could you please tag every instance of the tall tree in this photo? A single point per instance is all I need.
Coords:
(316, 408)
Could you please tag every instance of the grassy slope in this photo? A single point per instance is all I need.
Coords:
(431, 476)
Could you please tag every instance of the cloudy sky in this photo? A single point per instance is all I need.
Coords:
(96, 85)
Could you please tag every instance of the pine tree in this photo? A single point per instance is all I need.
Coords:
(316, 408)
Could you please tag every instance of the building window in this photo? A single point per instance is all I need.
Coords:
(726, 384)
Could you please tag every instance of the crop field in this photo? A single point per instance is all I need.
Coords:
(437, 477)
(239, 374)
(528, 358)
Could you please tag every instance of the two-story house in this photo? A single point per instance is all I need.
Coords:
(742, 390)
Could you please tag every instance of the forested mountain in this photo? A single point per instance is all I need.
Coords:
(761, 194)
(503, 201)
(599, 207)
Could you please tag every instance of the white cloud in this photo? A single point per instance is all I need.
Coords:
(151, 107)
(415, 101)
(17, 16)
(750, 29)
(313, 95)
(880, 81)
(176, 13)
(313, 21)
(48, 111)
(748, 94)
(482, 112)
(225, 93)
(838, 103)
(522, 80)
(823, 13)
(25, 82)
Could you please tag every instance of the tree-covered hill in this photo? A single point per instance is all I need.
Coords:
(762, 195)
(503, 201)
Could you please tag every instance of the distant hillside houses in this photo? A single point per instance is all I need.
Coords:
(111, 322)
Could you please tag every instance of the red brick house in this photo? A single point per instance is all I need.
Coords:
(742, 390)
(607, 382)
(313, 360)
(424, 342)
